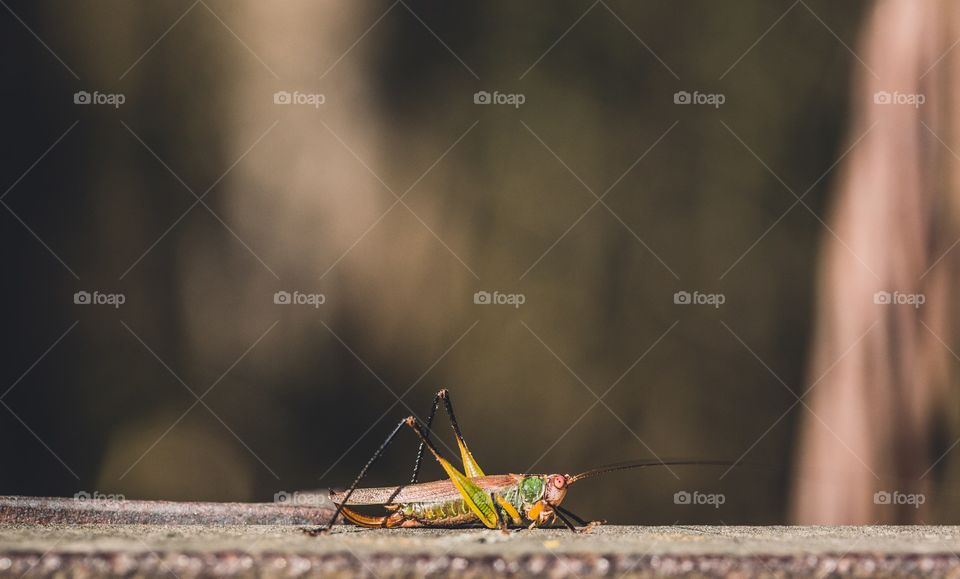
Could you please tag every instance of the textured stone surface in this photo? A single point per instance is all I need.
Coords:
(51, 510)
(283, 551)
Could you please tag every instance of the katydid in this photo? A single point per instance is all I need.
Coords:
(469, 498)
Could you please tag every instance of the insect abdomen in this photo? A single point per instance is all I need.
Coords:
(452, 512)
(436, 511)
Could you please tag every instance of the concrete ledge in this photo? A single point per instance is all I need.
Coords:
(53, 510)
(283, 551)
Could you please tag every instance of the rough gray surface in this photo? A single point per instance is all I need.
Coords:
(52, 510)
(283, 551)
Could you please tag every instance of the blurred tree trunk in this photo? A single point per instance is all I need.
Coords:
(879, 372)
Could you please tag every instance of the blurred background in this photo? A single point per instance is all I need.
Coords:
(695, 202)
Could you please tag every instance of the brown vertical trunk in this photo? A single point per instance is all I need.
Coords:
(874, 405)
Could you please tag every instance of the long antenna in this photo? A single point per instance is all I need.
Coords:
(630, 464)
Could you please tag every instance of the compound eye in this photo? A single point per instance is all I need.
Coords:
(558, 481)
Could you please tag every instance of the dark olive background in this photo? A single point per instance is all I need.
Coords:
(599, 299)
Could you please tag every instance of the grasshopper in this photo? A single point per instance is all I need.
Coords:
(470, 497)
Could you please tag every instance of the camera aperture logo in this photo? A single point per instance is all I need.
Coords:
(685, 298)
(898, 498)
(97, 496)
(298, 298)
(82, 97)
(282, 97)
(300, 499)
(885, 298)
(485, 298)
(682, 97)
(483, 97)
(699, 498)
(914, 100)
(85, 298)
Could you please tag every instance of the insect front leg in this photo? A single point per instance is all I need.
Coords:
(565, 521)
(586, 526)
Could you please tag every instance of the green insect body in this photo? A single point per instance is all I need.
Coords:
(469, 497)
(456, 511)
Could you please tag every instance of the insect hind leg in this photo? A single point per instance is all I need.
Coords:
(473, 469)
(341, 507)
(469, 463)
(358, 519)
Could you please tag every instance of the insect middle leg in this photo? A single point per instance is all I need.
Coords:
(420, 449)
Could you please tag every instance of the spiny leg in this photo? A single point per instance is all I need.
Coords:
(566, 522)
(424, 436)
(448, 404)
(363, 473)
(570, 514)
(580, 521)
(420, 449)
(444, 394)
(470, 465)
(476, 498)
(587, 525)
